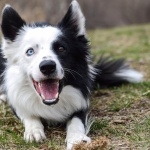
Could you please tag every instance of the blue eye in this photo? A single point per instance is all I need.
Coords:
(30, 52)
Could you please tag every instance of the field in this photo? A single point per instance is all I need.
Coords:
(121, 114)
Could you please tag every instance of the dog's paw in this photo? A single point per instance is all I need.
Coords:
(76, 138)
(36, 134)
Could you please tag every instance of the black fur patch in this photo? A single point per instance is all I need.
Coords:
(74, 61)
(106, 72)
(2, 67)
(81, 115)
(11, 23)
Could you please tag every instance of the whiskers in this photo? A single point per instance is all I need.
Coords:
(72, 72)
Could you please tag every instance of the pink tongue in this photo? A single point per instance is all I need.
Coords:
(49, 89)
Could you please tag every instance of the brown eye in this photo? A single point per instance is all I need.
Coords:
(61, 49)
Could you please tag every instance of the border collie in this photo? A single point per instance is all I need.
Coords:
(47, 73)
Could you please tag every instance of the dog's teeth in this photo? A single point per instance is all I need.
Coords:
(39, 84)
(42, 96)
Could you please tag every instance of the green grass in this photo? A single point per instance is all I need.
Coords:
(98, 124)
(141, 132)
(121, 114)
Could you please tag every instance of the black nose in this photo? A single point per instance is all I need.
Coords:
(47, 67)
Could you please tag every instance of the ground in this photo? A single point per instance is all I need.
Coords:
(121, 114)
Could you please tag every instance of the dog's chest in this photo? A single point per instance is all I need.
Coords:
(70, 101)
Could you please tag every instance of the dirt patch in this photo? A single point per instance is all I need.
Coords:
(98, 144)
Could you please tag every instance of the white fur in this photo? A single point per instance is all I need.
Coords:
(3, 98)
(79, 17)
(88, 123)
(34, 130)
(5, 7)
(70, 101)
(20, 91)
(130, 75)
(76, 133)
(29, 38)
(92, 71)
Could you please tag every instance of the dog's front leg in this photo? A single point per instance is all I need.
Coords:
(76, 133)
(34, 130)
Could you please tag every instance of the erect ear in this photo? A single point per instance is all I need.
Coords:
(11, 23)
(74, 20)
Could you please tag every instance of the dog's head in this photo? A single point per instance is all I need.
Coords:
(42, 51)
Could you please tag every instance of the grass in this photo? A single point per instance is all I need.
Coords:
(122, 114)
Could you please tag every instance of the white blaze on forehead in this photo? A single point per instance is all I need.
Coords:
(38, 35)
(41, 40)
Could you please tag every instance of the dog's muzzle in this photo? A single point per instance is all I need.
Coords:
(50, 87)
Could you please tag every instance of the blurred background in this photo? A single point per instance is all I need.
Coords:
(99, 13)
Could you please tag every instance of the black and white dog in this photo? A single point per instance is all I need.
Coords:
(47, 73)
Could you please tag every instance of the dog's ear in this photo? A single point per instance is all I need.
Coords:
(11, 23)
(74, 20)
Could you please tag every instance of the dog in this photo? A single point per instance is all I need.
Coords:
(47, 73)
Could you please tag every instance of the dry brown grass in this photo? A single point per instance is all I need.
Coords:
(98, 144)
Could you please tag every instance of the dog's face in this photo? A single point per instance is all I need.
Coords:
(43, 52)
(40, 51)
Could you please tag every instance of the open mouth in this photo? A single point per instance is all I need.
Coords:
(48, 90)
